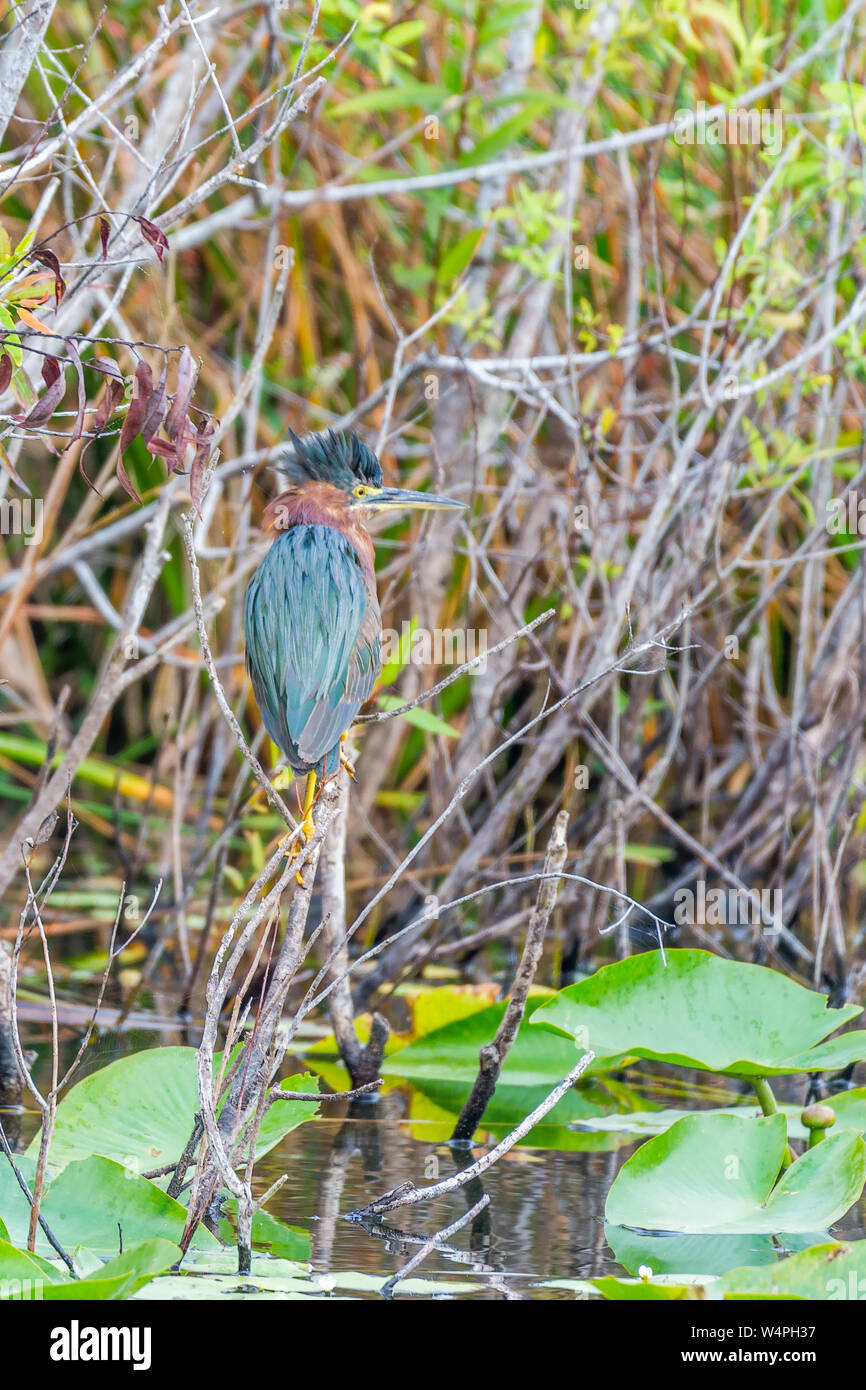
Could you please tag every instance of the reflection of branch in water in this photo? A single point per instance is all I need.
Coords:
(387, 1288)
(407, 1194)
(402, 1242)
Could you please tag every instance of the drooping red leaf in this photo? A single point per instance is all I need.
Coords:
(50, 370)
(141, 394)
(154, 236)
(51, 398)
(104, 231)
(48, 258)
(187, 375)
(124, 480)
(107, 366)
(164, 450)
(112, 396)
(6, 369)
(78, 427)
(204, 435)
(155, 410)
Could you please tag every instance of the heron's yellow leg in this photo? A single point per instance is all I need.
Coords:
(309, 798)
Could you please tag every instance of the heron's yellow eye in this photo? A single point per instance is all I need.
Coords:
(360, 490)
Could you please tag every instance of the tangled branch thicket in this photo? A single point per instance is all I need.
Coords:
(597, 273)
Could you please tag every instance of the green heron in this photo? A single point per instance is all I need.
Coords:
(311, 614)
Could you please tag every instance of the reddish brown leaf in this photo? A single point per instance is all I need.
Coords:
(204, 435)
(104, 230)
(187, 375)
(78, 427)
(155, 410)
(107, 406)
(48, 258)
(164, 450)
(6, 370)
(153, 236)
(141, 394)
(106, 366)
(112, 396)
(50, 370)
(124, 480)
(50, 399)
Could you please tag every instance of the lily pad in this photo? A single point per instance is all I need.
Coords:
(717, 1174)
(835, 1272)
(287, 1242)
(665, 1289)
(848, 1106)
(140, 1111)
(117, 1279)
(538, 1057)
(675, 1255)
(92, 1202)
(698, 1010)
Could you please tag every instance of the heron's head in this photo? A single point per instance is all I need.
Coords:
(344, 463)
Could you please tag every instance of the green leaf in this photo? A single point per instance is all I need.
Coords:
(399, 35)
(25, 1276)
(717, 1174)
(698, 1010)
(90, 1203)
(832, 1272)
(701, 1254)
(443, 1065)
(140, 1112)
(849, 1108)
(285, 1242)
(457, 257)
(419, 94)
(421, 718)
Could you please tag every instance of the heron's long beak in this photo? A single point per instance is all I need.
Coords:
(392, 498)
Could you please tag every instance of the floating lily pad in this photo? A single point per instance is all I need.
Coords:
(27, 1276)
(91, 1203)
(287, 1242)
(835, 1272)
(698, 1010)
(830, 1272)
(140, 1111)
(665, 1289)
(717, 1174)
(538, 1057)
(700, 1255)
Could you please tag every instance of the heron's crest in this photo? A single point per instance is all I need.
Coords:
(340, 459)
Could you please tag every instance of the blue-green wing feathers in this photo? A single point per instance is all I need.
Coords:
(313, 642)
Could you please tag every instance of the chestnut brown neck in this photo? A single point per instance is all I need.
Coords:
(320, 504)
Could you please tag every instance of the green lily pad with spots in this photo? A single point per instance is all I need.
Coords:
(140, 1112)
(694, 1009)
(450, 1054)
(835, 1272)
(720, 1174)
(96, 1203)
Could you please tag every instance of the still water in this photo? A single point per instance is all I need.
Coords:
(544, 1221)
